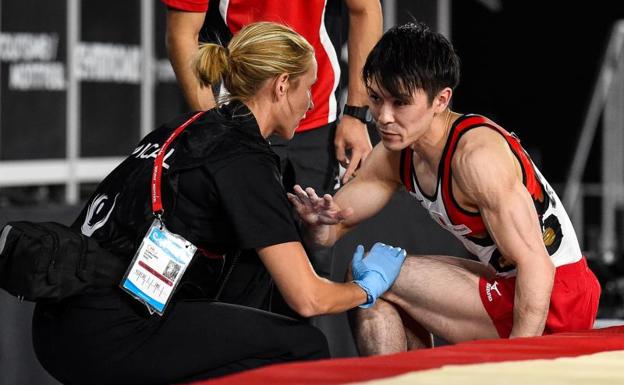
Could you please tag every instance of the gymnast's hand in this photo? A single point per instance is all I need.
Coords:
(318, 213)
(376, 272)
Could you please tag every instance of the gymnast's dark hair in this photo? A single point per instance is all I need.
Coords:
(410, 57)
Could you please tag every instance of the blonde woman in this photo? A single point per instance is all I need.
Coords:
(219, 191)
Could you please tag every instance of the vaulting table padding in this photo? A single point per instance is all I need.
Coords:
(591, 357)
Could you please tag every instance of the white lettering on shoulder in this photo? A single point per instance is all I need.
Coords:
(150, 151)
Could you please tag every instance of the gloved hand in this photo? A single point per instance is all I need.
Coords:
(377, 272)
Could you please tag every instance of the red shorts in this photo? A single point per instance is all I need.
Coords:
(573, 303)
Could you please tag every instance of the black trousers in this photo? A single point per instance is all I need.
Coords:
(110, 338)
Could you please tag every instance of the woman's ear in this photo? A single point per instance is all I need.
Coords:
(282, 82)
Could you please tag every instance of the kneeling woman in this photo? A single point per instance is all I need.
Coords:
(212, 181)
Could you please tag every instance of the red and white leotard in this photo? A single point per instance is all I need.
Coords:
(559, 236)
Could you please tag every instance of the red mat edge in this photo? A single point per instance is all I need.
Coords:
(346, 370)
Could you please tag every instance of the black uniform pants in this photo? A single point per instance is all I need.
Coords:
(110, 339)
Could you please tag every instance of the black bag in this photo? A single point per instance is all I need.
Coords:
(48, 262)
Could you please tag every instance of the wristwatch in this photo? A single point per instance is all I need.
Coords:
(360, 113)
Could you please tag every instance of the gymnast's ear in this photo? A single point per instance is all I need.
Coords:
(442, 99)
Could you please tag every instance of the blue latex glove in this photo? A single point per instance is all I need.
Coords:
(377, 272)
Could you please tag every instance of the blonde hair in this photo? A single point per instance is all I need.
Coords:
(258, 52)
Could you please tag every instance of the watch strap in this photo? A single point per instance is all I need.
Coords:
(360, 113)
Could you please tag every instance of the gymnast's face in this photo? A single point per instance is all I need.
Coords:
(400, 119)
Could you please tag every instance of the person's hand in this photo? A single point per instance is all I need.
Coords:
(351, 136)
(315, 210)
(318, 213)
(376, 272)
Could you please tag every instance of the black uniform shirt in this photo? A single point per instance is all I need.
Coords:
(221, 190)
(235, 201)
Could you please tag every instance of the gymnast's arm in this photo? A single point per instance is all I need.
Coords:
(328, 218)
(488, 174)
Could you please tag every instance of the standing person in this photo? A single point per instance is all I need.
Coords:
(212, 179)
(310, 158)
(476, 181)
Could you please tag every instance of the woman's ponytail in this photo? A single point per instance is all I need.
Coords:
(210, 64)
(258, 52)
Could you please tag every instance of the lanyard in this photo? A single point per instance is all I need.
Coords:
(157, 207)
